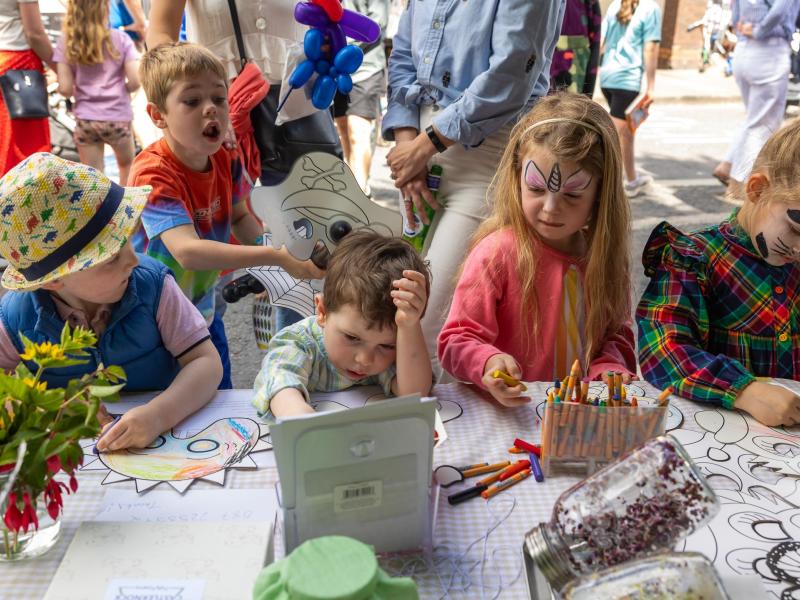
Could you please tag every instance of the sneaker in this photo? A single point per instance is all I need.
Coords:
(635, 187)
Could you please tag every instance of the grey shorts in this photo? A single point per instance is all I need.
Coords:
(365, 98)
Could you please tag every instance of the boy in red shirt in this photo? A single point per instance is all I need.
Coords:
(199, 191)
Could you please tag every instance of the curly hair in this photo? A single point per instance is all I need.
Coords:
(87, 38)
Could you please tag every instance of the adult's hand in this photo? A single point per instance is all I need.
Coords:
(416, 194)
(746, 29)
(410, 158)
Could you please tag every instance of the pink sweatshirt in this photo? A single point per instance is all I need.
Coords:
(484, 316)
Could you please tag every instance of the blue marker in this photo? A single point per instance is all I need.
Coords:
(105, 431)
(536, 467)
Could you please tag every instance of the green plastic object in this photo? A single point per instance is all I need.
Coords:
(331, 568)
(416, 236)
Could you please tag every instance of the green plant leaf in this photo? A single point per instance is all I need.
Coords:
(102, 391)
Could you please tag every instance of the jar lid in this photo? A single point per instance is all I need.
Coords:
(331, 568)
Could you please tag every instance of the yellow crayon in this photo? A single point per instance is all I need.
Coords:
(662, 397)
(487, 469)
(508, 379)
(504, 485)
(487, 481)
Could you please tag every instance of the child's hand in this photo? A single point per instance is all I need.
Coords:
(299, 269)
(769, 404)
(410, 298)
(626, 378)
(137, 428)
(504, 394)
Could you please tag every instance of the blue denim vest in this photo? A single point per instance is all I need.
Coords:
(131, 340)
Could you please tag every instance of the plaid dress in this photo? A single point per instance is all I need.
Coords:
(715, 315)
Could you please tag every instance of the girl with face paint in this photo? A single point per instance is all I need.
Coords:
(547, 277)
(723, 304)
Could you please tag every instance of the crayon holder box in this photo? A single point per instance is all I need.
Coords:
(588, 436)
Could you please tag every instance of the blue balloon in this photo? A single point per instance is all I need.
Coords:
(348, 59)
(333, 72)
(324, 89)
(323, 66)
(301, 74)
(312, 44)
(344, 83)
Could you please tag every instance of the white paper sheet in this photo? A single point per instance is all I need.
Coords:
(148, 589)
(223, 505)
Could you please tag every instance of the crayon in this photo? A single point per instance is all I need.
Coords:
(515, 450)
(105, 431)
(584, 391)
(466, 494)
(508, 379)
(547, 438)
(663, 396)
(618, 383)
(610, 383)
(527, 447)
(504, 485)
(512, 470)
(537, 469)
(475, 466)
(564, 384)
(486, 469)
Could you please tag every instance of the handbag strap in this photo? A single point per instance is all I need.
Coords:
(237, 31)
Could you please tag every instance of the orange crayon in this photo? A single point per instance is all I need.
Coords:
(504, 485)
(486, 469)
(663, 396)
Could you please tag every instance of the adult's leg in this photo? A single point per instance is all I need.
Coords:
(344, 137)
(360, 131)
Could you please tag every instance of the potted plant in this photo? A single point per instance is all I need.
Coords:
(40, 430)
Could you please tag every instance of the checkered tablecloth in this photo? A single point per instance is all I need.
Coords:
(483, 433)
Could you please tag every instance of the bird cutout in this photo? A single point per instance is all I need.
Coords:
(319, 201)
(225, 444)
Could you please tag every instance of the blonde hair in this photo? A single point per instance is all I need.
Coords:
(572, 128)
(626, 10)
(778, 161)
(87, 38)
(166, 64)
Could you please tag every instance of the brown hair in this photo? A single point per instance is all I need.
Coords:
(162, 66)
(778, 160)
(87, 37)
(361, 271)
(582, 132)
(626, 10)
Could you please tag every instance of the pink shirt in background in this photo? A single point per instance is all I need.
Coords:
(484, 317)
(180, 324)
(100, 93)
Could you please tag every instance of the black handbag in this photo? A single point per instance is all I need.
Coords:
(281, 145)
(24, 93)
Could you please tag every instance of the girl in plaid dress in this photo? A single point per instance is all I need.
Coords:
(723, 304)
(547, 279)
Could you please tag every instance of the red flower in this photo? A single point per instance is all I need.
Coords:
(54, 464)
(73, 483)
(28, 514)
(7, 468)
(13, 516)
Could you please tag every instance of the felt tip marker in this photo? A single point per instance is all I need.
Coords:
(511, 470)
(508, 379)
(504, 485)
(467, 494)
(486, 469)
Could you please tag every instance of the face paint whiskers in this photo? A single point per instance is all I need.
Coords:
(782, 249)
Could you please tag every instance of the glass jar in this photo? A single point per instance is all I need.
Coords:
(670, 576)
(18, 545)
(642, 504)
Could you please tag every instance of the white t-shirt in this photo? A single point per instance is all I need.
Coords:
(12, 35)
(208, 22)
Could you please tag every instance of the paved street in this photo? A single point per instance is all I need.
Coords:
(679, 146)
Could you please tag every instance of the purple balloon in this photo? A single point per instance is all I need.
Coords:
(359, 27)
(311, 15)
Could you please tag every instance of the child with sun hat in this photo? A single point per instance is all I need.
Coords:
(66, 236)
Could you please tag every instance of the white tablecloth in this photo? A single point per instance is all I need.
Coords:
(483, 433)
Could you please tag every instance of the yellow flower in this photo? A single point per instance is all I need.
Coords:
(37, 352)
(31, 383)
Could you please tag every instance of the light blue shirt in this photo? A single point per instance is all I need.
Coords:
(623, 45)
(770, 18)
(482, 62)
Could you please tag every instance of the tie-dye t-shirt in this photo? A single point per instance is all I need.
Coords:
(182, 196)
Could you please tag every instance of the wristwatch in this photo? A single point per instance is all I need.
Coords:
(437, 143)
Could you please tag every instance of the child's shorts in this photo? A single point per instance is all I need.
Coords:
(90, 133)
